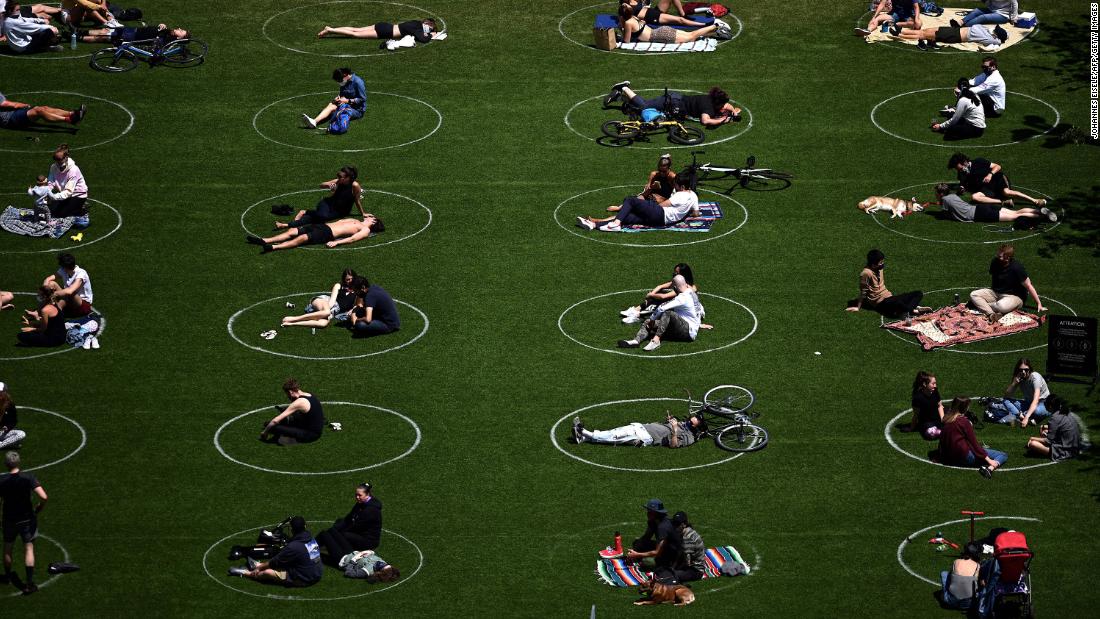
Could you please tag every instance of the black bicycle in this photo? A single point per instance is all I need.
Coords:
(748, 176)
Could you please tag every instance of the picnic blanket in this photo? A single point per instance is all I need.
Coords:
(605, 21)
(955, 324)
(1015, 35)
(709, 212)
(619, 573)
(12, 220)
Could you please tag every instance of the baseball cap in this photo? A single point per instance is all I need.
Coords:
(655, 505)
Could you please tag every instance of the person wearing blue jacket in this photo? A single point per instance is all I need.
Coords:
(353, 94)
(298, 564)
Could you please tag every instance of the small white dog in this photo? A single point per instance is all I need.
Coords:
(898, 207)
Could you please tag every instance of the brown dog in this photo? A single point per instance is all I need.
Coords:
(898, 207)
(653, 592)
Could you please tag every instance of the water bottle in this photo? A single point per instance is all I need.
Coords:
(72, 41)
(908, 319)
(956, 298)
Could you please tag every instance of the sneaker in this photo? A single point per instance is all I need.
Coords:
(5, 579)
(587, 224)
(308, 122)
(986, 472)
(255, 240)
(895, 30)
(723, 34)
(578, 430)
(286, 441)
(1051, 215)
(54, 48)
(631, 311)
(64, 16)
(922, 44)
(30, 588)
(612, 226)
(619, 87)
(721, 25)
(252, 563)
(113, 23)
(653, 345)
(955, 23)
(95, 342)
(1041, 202)
(628, 343)
(267, 248)
(861, 32)
(238, 571)
(268, 335)
(87, 343)
(931, 46)
(631, 320)
(78, 114)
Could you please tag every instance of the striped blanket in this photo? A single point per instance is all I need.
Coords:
(709, 212)
(619, 573)
(955, 324)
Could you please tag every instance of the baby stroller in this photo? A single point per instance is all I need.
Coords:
(1007, 575)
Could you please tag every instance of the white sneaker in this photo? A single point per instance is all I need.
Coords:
(95, 342)
(721, 25)
(113, 23)
(586, 223)
(308, 122)
(629, 320)
(87, 343)
(631, 311)
(652, 345)
(612, 226)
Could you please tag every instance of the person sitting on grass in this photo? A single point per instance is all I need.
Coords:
(44, 327)
(10, 434)
(374, 313)
(897, 13)
(960, 585)
(70, 187)
(1009, 286)
(960, 447)
(1060, 438)
(713, 109)
(361, 529)
(636, 30)
(419, 29)
(160, 33)
(657, 15)
(873, 293)
(661, 543)
(994, 12)
(661, 292)
(652, 213)
(672, 433)
(298, 564)
(988, 39)
(17, 115)
(985, 212)
(1030, 407)
(660, 185)
(927, 407)
(987, 183)
(990, 87)
(80, 11)
(691, 564)
(77, 291)
(302, 421)
(677, 320)
(353, 94)
(322, 310)
(332, 234)
(345, 192)
(968, 118)
(20, 519)
(27, 35)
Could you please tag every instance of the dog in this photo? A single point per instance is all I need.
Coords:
(897, 206)
(653, 593)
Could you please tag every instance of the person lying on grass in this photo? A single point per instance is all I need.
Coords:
(960, 447)
(654, 14)
(635, 29)
(160, 33)
(324, 309)
(712, 109)
(653, 212)
(985, 212)
(421, 30)
(677, 320)
(672, 433)
(332, 234)
(927, 39)
(986, 181)
(18, 115)
(345, 192)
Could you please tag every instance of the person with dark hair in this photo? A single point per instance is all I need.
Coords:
(990, 87)
(661, 184)
(898, 13)
(18, 115)
(1009, 287)
(677, 320)
(298, 564)
(661, 542)
(20, 519)
(874, 295)
(661, 292)
(984, 212)
(927, 38)
(361, 529)
(44, 327)
(322, 310)
(994, 12)
(1060, 438)
(345, 192)
(960, 585)
(68, 183)
(353, 94)
(1032, 403)
(673, 433)
(927, 406)
(419, 29)
(77, 289)
(302, 421)
(712, 109)
(960, 447)
(637, 30)
(10, 434)
(653, 212)
(691, 564)
(160, 33)
(968, 118)
(331, 234)
(655, 15)
(374, 313)
(986, 182)
(27, 35)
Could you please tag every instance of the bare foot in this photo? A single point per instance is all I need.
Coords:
(614, 208)
(280, 225)
(324, 31)
(7, 307)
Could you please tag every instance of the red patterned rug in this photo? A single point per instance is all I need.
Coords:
(956, 324)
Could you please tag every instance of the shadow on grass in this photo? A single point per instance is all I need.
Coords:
(1082, 227)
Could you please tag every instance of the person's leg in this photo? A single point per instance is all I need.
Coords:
(999, 456)
(72, 206)
(325, 113)
(638, 211)
(268, 575)
(358, 542)
(623, 435)
(1038, 446)
(12, 437)
(291, 431)
(1007, 214)
(689, 36)
(49, 114)
(7, 558)
(668, 19)
(371, 329)
(282, 236)
(645, 331)
(673, 328)
(984, 16)
(1012, 193)
(28, 561)
(962, 131)
(364, 32)
(1007, 303)
(335, 542)
(982, 300)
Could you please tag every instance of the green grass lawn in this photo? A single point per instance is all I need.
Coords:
(479, 152)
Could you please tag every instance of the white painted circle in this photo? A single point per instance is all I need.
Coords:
(75, 94)
(233, 318)
(416, 443)
(616, 351)
(912, 340)
(367, 42)
(69, 247)
(308, 247)
(80, 428)
(561, 31)
(438, 124)
(905, 542)
(862, 23)
(554, 440)
(53, 577)
(745, 111)
(62, 348)
(600, 240)
(959, 144)
(222, 581)
(1004, 239)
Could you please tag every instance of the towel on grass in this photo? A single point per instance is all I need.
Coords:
(956, 324)
(619, 573)
(709, 212)
(12, 221)
(1015, 35)
(706, 44)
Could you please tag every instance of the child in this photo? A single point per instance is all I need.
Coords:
(42, 192)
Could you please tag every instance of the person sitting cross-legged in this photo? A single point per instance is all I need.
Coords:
(374, 313)
(298, 564)
(1061, 438)
(302, 421)
(677, 320)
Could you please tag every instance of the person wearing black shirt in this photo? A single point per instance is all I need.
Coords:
(19, 518)
(10, 434)
(1010, 286)
(661, 541)
(712, 109)
(986, 182)
(346, 192)
(361, 529)
(375, 312)
(421, 30)
(160, 33)
(300, 422)
(927, 407)
(298, 564)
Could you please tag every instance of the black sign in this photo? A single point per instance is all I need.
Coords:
(1071, 345)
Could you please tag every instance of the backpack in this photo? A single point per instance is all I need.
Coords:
(341, 118)
(929, 8)
(651, 114)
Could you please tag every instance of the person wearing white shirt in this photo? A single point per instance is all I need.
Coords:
(651, 213)
(677, 320)
(27, 34)
(990, 87)
(968, 120)
(78, 286)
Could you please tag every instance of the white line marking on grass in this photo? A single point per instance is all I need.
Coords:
(442, 25)
(905, 542)
(744, 110)
(83, 96)
(379, 191)
(351, 582)
(890, 439)
(616, 351)
(438, 124)
(561, 30)
(911, 339)
(233, 319)
(962, 143)
(68, 247)
(862, 23)
(80, 428)
(554, 439)
(1001, 240)
(594, 233)
(416, 442)
(52, 578)
(64, 347)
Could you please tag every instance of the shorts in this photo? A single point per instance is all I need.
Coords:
(75, 311)
(987, 213)
(317, 234)
(384, 30)
(947, 34)
(27, 529)
(664, 34)
(282, 575)
(14, 119)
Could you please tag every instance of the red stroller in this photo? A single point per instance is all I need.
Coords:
(1008, 577)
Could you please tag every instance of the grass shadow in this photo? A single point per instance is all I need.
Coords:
(1082, 227)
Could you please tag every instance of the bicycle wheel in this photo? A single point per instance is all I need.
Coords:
(184, 53)
(113, 60)
(775, 174)
(729, 399)
(619, 130)
(741, 437)
(688, 136)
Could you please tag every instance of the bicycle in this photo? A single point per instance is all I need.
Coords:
(178, 53)
(637, 128)
(743, 175)
(730, 422)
